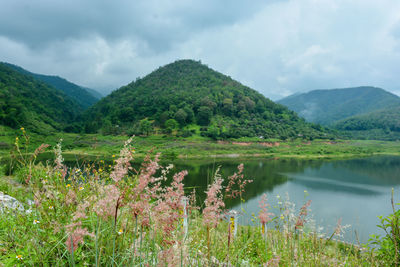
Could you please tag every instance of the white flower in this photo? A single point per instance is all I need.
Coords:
(35, 222)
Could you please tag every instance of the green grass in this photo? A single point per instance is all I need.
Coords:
(198, 147)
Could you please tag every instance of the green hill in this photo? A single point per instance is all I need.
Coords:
(187, 95)
(85, 97)
(330, 106)
(32, 104)
(381, 124)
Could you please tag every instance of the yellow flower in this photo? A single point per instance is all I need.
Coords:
(120, 232)
(81, 188)
(113, 156)
(282, 218)
(22, 128)
(68, 185)
(51, 207)
(19, 257)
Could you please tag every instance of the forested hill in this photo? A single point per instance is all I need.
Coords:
(329, 106)
(85, 97)
(187, 95)
(381, 124)
(32, 104)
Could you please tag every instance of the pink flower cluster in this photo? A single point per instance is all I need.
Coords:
(264, 215)
(213, 203)
(236, 183)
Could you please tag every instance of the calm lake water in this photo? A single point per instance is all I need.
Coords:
(356, 190)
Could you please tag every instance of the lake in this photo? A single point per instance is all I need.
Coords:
(356, 190)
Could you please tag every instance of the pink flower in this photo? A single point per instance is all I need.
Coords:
(123, 162)
(213, 202)
(264, 215)
(76, 236)
(237, 179)
(106, 205)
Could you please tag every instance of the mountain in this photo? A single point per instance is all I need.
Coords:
(329, 106)
(381, 124)
(188, 95)
(85, 97)
(32, 104)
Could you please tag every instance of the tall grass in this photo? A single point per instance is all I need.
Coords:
(114, 215)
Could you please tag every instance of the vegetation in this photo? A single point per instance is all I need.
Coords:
(85, 97)
(330, 106)
(101, 215)
(186, 95)
(26, 102)
(382, 124)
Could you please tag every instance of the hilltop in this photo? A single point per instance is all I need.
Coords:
(187, 96)
(330, 106)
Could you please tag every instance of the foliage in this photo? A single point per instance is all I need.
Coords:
(26, 102)
(382, 124)
(389, 245)
(193, 94)
(85, 97)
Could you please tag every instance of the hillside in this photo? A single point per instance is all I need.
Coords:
(329, 106)
(29, 103)
(381, 124)
(85, 97)
(187, 95)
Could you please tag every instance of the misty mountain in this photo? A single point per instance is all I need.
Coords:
(327, 107)
(85, 97)
(187, 94)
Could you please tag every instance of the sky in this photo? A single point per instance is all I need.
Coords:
(277, 47)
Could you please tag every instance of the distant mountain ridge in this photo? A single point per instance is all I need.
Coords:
(85, 97)
(186, 93)
(330, 106)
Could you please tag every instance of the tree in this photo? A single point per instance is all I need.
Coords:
(181, 116)
(171, 125)
(145, 127)
(204, 115)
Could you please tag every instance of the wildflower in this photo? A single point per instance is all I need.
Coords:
(113, 156)
(213, 202)
(81, 188)
(35, 222)
(22, 128)
(236, 178)
(68, 185)
(19, 257)
(264, 215)
(120, 232)
(123, 162)
(302, 215)
(51, 207)
(76, 236)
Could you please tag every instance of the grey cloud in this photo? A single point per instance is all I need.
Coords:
(275, 47)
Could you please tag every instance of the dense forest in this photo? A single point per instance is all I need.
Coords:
(85, 97)
(382, 124)
(186, 96)
(27, 102)
(330, 106)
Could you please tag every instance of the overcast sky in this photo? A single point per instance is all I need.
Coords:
(276, 47)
